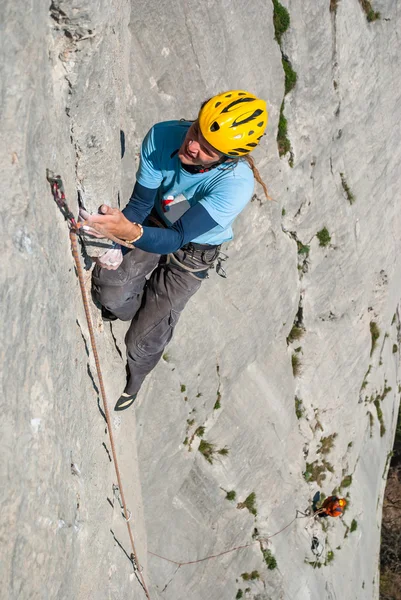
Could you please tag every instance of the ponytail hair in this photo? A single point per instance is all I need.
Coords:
(256, 175)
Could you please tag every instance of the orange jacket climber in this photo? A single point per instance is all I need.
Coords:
(333, 506)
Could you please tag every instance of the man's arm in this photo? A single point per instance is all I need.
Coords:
(195, 222)
(140, 204)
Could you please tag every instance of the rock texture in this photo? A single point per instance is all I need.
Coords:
(80, 85)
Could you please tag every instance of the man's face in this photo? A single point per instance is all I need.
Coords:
(195, 150)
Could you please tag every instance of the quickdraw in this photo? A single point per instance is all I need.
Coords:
(75, 226)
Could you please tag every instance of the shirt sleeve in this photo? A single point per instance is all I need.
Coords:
(140, 203)
(149, 172)
(195, 222)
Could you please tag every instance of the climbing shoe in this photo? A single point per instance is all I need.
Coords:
(107, 315)
(125, 401)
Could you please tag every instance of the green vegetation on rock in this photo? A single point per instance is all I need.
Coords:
(324, 237)
(269, 559)
(281, 20)
(250, 576)
(299, 408)
(371, 15)
(249, 503)
(290, 75)
(375, 334)
(347, 190)
(296, 364)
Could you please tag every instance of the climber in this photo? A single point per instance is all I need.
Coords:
(331, 507)
(193, 180)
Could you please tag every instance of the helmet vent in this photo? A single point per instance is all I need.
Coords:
(238, 101)
(252, 117)
(228, 96)
(233, 153)
(241, 150)
(241, 94)
(260, 124)
(214, 126)
(251, 132)
(252, 145)
(217, 104)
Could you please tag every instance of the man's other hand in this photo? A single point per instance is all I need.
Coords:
(111, 259)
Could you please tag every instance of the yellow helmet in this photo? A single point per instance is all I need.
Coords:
(233, 122)
(342, 502)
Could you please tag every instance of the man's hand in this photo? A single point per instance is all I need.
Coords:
(111, 259)
(112, 221)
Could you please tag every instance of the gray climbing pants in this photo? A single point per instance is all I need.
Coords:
(154, 304)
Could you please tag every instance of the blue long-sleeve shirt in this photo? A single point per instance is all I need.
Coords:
(192, 224)
(194, 206)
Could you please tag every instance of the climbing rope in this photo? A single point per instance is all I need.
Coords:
(257, 541)
(59, 197)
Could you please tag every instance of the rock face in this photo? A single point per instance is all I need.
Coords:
(81, 84)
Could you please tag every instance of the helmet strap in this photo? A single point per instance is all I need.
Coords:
(193, 169)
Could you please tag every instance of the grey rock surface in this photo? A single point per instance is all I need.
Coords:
(80, 84)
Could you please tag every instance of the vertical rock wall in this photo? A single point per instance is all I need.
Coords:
(81, 84)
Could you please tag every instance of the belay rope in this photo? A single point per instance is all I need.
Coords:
(59, 196)
(74, 228)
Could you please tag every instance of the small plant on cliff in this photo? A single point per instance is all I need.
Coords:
(324, 237)
(317, 471)
(250, 576)
(269, 559)
(354, 526)
(207, 450)
(347, 190)
(371, 14)
(299, 408)
(281, 20)
(240, 594)
(295, 334)
(375, 334)
(284, 144)
(303, 248)
(333, 5)
(327, 443)
(296, 364)
(200, 431)
(223, 451)
(346, 482)
(231, 495)
(380, 417)
(289, 74)
(249, 503)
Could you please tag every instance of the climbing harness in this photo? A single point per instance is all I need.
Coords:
(201, 273)
(59, 197)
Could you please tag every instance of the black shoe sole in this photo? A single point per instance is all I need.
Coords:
(125, 402)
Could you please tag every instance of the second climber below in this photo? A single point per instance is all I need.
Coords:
(193, 180)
